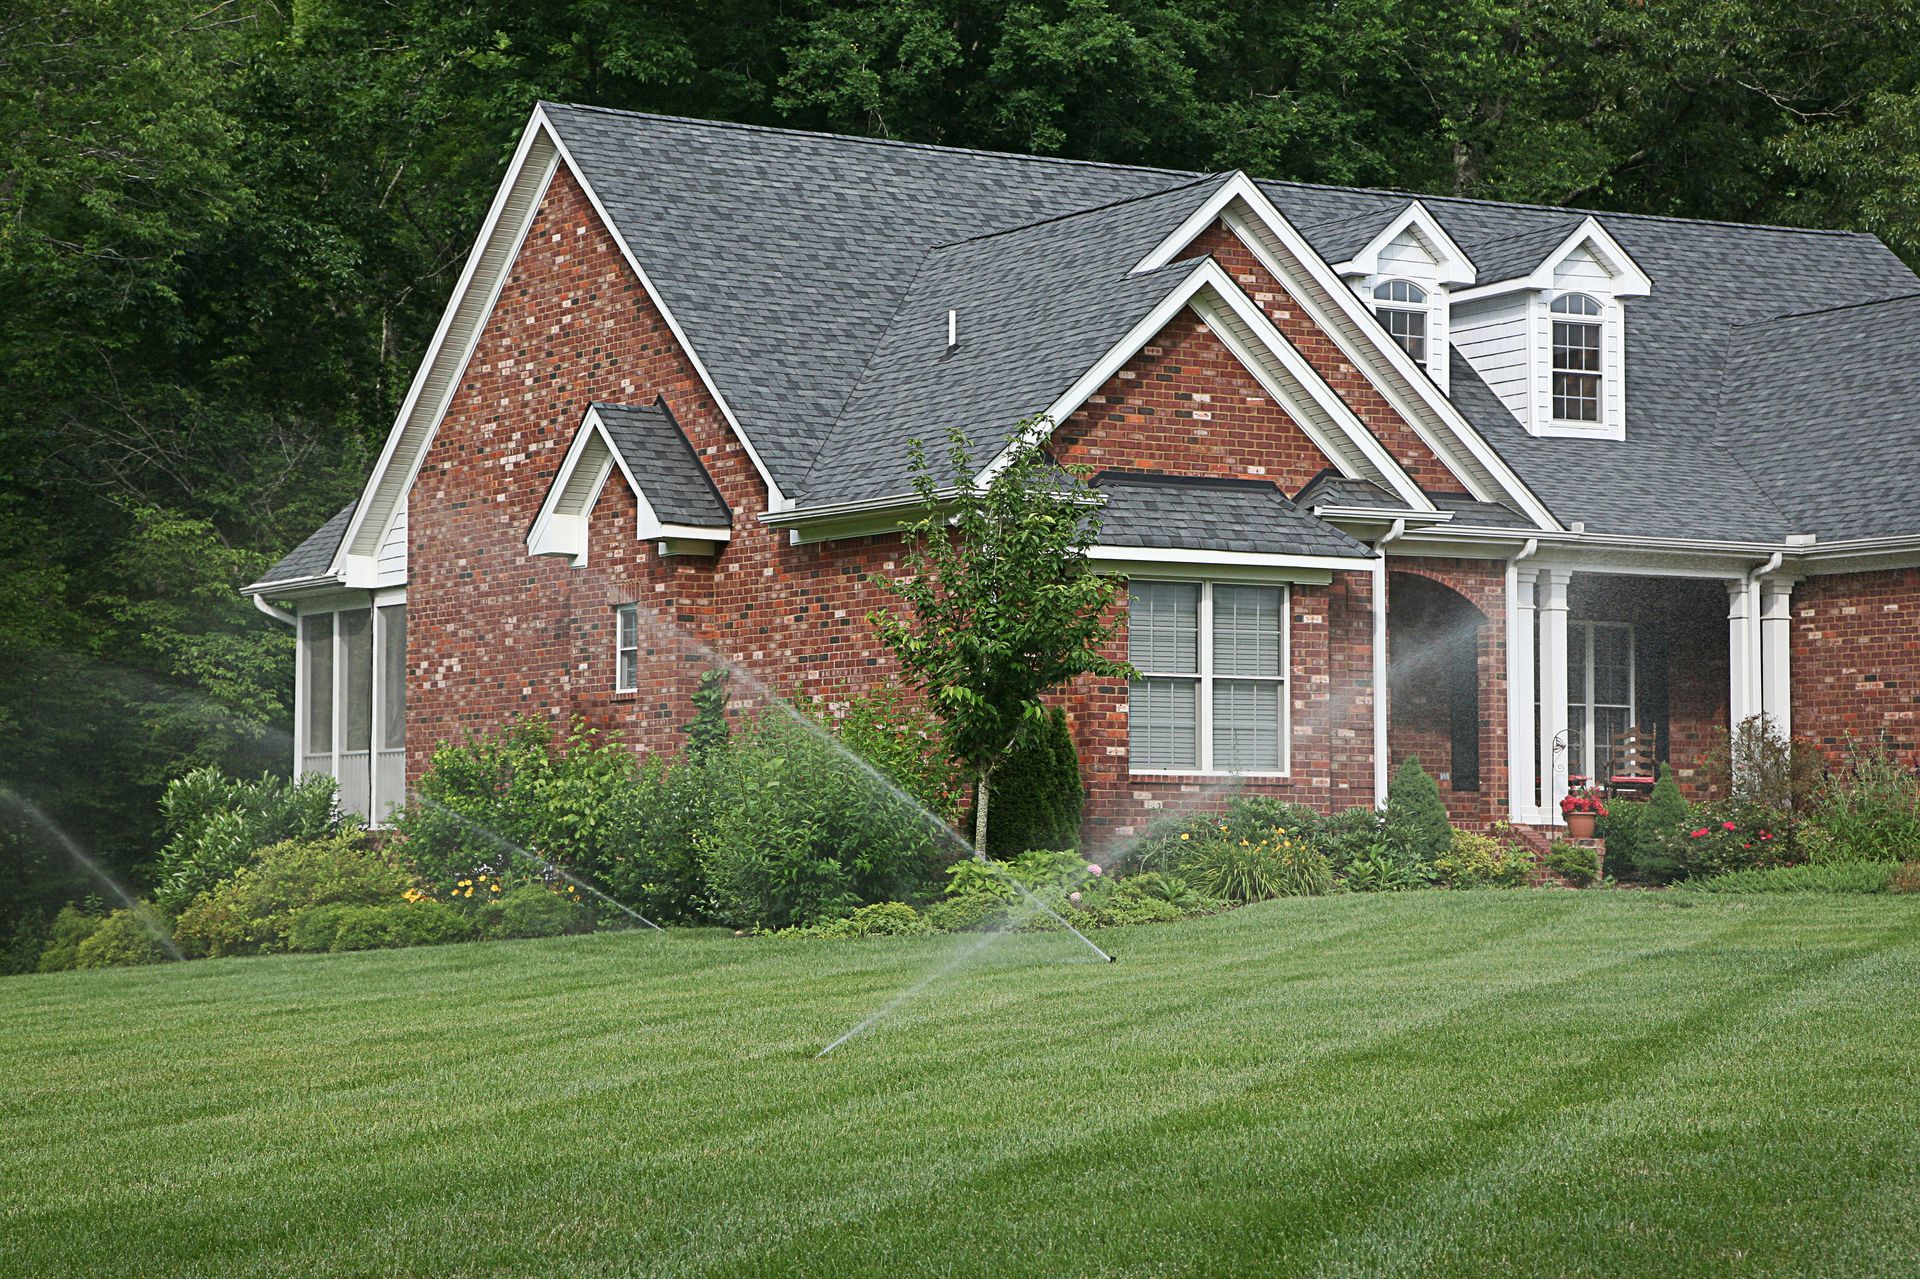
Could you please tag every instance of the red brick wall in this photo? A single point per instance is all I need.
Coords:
(1856, 660)
(494, 633)
(1423, 729)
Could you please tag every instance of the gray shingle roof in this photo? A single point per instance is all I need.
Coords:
(1330, 488)
(661, 459)
(1188, 513)
(809, 274)
(1836, 465)
(312, 557)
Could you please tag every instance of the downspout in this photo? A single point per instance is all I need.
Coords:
(1380, 662)
(277, 614)
(1517, 716)
(1756, 682)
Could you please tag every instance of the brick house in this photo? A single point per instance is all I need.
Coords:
(1548, 480)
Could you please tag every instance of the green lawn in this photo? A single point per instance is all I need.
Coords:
(1524, 1083)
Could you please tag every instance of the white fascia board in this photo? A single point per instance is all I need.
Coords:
(529, 174)
(1180, 562)
(1628, 280)
(776, 500)
(1103, 370)
(554, 533)
(1307, 378)
(1208, 280)
(1378, 346)
(290, 587)
(1451, 264)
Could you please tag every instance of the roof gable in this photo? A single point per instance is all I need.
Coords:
(676, 501)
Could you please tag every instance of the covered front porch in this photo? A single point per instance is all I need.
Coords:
(1527, 679)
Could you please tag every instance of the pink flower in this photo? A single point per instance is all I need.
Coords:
(1726, 826)
(1073, 897)
(1093, 868)
(1699, 833)
(1765, 835)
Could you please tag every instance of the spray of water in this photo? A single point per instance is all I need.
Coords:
(514, 850)
(811, 726)
(142, 912)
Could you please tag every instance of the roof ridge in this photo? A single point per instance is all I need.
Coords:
(1091, 208)
(1397, 192)
(1825, 310)
(790, 131)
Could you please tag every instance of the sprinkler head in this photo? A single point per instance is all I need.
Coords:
(1113, 959)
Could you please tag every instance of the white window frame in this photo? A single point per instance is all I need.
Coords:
(1203, 712)
(327, 763)
(1424, 308)
(1596, 320)
(626, 639)
(1586, 706)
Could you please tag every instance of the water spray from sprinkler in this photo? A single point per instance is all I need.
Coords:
(502, 842)
(142, 912)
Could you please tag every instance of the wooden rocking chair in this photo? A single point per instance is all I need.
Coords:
(1631, 767)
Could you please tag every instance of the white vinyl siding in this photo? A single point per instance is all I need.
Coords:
(1491, 335)
(351, 705)
(1212, 693)
(626, 648)
(390, 567)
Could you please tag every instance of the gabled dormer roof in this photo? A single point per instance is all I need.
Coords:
(1533, 259)
(675, 498)
(1451, 265)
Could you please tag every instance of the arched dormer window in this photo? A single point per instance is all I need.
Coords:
(1402, 307)
(1576, 358)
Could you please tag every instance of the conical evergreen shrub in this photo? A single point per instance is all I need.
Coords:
(1037, 796)
(1415, 814)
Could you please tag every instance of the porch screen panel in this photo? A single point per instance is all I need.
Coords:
(356, 649)
(1163, 643)
(393, 677)
(316, 644)
(1577, 706)
(1247, 671)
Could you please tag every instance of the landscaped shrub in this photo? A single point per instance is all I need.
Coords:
(1868, 811)
(1357, 833)
(1578, 866)
(1251, 870)
(708, 730)
(215, 823)
(1722, 841)
(800, 834)
(123, 939)
(517, 797)
(1173, 841)
(1834, 877)
(342, 927)
(881, 919)
(1124, 903)
(1037, 794)
(1415, 815)
(254, 909)
(26, 940)
(1643, 840)
(889, 728)
(1483, 861)
(532, 911)
(71, 927)
(651, 862)
(1385, 873)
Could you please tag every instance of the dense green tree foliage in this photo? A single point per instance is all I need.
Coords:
(227, 228)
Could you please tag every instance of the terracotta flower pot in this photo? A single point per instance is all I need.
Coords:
(1580, 825)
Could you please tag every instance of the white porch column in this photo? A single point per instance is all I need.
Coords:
(1551, 599)
(1776, 655)
(1522, 793)
(1742, 684)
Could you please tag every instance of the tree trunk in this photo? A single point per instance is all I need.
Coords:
(980, 815)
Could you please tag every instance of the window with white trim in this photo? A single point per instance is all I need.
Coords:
(1402, 308)
(1212, 695)
(1600, 692)
(626, 648)
(1576, 358)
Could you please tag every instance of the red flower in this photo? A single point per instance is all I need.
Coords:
(1726, 825)
(1764, 835)
(1700, 833)
(1746, 845)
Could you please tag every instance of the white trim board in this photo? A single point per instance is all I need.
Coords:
(1450, 262)
(522, 192)
(1360, 337)
(1313, 405)
(582, 477)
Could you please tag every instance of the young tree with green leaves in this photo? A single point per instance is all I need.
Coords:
(999, 602)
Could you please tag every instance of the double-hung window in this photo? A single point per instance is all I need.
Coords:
(1211, 696)
(1576, 358)
(1402, 308)
(626, 648)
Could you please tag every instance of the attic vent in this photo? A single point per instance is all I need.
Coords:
(953, 329)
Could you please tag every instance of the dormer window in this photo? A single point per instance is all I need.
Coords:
(1402, 308)
(1576, 358)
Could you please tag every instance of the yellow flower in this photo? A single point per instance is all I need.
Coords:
(1183, 835)
(468, 893)
(496, 888)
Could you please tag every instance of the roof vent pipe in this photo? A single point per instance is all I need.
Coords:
(953, 329)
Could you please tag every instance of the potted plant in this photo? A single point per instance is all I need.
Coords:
(1582, 809)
